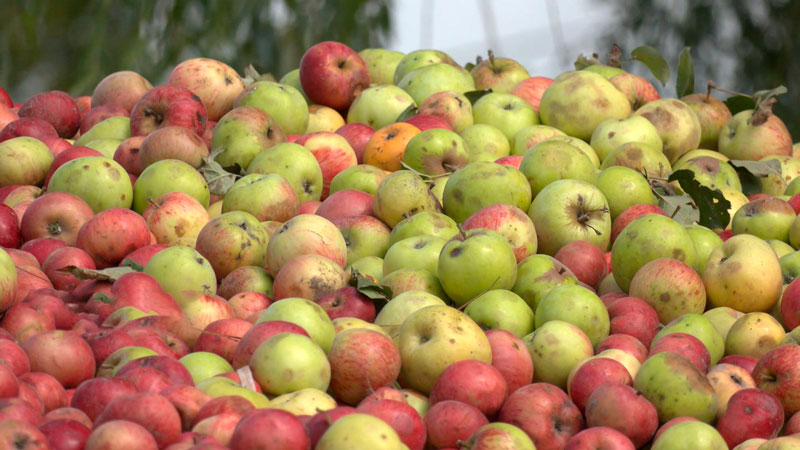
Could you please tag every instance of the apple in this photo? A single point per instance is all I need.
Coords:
(379, 105)
(216, 83)
(728, 379)
(473, 382)
(364, 235)
(675, 387)
(426, 80)
(774, 373)
(790, 306)
(286, 430)
(245, 279)
(631, 213)
(419, 252)
(700, 327)
(425, 223)
(555, 348)
(403, 418)
(676, 436)
(531, 90)
(257, 334)
(283, 103)
(232, 240)
(65, 434)
(58, 215)
(305, 362)
(486, 142)
(25, 161)
(623, 188)
(743, 138)
(576, 305)
(180, 268)
(477, 185)
(176, 218)
(638, 90)
(671, 287)
(111, 235)
(168, 105)
(150, 410)
(724, 275)
(687, 346)
(402, 305)
(55, 107)
(295, 163)
(114, 128)
(501, 309)
(305, 313)
(544, 412)
(401, 195)
(450, 422)
(359, 431)
(435, 152)
(710, 171)
(357, 135)
(450, 106)
(14, 356)
(381, 64)
(64, 355)
(767, 218)
(677, 124)
(537, 275)
(620, 407)
(18, 434)
(361, 360)
(507, 112)
(333, 74)
(309, 277)
(243, 132)
(333, 153)
(81, 176)
(33, 127)
(168, 175)
(578, 101)
(754, 334)
(553, 160)
(612, 133)
(585, 260)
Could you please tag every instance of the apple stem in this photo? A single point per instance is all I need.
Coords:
(152, 202)
(21, 269)
(490, 52)
(712, 85)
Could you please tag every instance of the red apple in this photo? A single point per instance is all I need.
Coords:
(625, 343)
(65, 434)
(259, 333)
(357, 135)
(29, 278)
(622, 408)
(634, 317)
(346, 203)
(68, 155)
(14, 357)
(23, 321)
(751, 413)
(28, 126)
(685, 345)
(175, 372)
(62, 354)
(317, 424)
(56, 108)
(544, 412)
(511, 222)
(68, 412)
(29, 395)
(101, 113)
(269, 428)
(20, 435)
(472, 382)
(403, 418)
(333, 74)
(778, 372)
(58, 215)
(19, 409)
(451, 421)
(348, 302)
(222, 337)
(106, 342)
(246, 304)
(599, 438)
(41, 248)
(309, 207)
(111, 234)
(165, 106)
(123, 88)
(50, 391)
(333, 153)
(594, 373)
(428, 121)
(62, 258)
(361, 360)
(790, 305)
(511, 160)
(150, 410)
(531, 90)
(142, 255)
(121, 435)
(585, 260)
(9, 227)
(173, 142)
(9, 383)
(53, 302)
(747, 363)
(511, 358)
(187, 400)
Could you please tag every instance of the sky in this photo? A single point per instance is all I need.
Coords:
(545, 36)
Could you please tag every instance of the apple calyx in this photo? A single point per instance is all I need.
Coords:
(54, 228)
(583, 215)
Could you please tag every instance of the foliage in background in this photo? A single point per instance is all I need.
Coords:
(72, 45)
(742, 45)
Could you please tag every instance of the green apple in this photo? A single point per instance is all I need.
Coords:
(775, 184)
(169, 175)
(433, 338)
(790, 266)
(304, 402)
(713, 115)
(381, 64)
(288, 362)
(526, 138)
(581, 145)
(705, 241)
(498, 74)
(397, 310)
(401, 195)
(295, 163)
(722, 318)
(453, 107)
(623, 188)
(507, 112)
(419, 252)
(608, 285)
(710, 171)
(646, 238)
(292, 78)
(347, 323)
(111, 128)
(502, 309)
(501, 435)
(282, 102)
(417, 401)
(418, 59)
(578, 101)
(24, 161)
(242, 133)
(305, 313)
(555, 348)
(677, 124)
(537, 275)
(604, 70)
(84, 177)
(578, 306)
(218, 386)
(426, 223)
(120, 357)
(403, 280)
(754, 334)
(231, 240)
(474, 262)
(8, 280)
(481, 184)
(107, 146)
(125, 315)
(781, 248)
(676, 388)
(365, 236)
(700, 327)
(567, 211)
(612, 133)
(425, 81)
(379, 105)
(551, 160)
(305, 234)
(436, 152)
(203, 365)
(181, 268)
(701, 435)
(639, 156)
(265, 196)
(743, 273)
(371, 266)
(767, 218)
(437, 187)
(360, 432)
(363, 177)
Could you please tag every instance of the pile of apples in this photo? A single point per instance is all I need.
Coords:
(392, 251)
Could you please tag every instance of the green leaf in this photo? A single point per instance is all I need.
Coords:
(751, 172)
(408, 112)
(132, 264)
(103, 297)
(685, 82)
(369, 287)
(680, 207)
(651, 58)
(219, 180)
(739, 103)
(110, 274)
(711, 204)
(474, 96)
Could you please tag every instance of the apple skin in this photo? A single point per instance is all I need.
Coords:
(578, 101)
(359, 431)
(216, 83)
(592, 374)
(677, 124)
(685, 345)
(168, 105)
(333, 74)
(123, 88)
(752, 413)
(725, 274)
(531, 90)
(64, 355)
(625, 343)
(234, 239)
(629, 214)
(81, 176)
(245, 279)
(361, 360)
(65, 434)
(26, 161)
(57, 215)
(585, 260)
(450, 106)
(741, 139)
(30, 127)
(552, 160)
(308, 276)
(435, 151)
(285, 431)
(180, 268)
(767, 218)
(676, 436)
(501, 309)
(622, 408)
(776, 373)
(555, 348)
(599, 437)
(243, 132)
(150, 410)
(176, 218)
(429, 79)
(365, 236)
(449, 422)
(535, 409)
(111, 235)
(476, 186)
(754, 334)
(273, 356)
(348, 302)
(506, 112)
(665, 377)
(379, 105)
(401, 195)
(259, 333)
(101, 113)
(55, 107)
(511, 358)
(472, 382)
(670, 286)
(510, 222)
(333, 153)
(403, 418)
(18, 434)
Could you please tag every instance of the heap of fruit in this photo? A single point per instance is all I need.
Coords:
(391, 251)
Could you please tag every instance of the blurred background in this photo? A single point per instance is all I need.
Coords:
(742, 45)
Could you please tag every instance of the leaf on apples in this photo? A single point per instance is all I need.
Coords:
(110, 274)
(219, 180)
(751, 172)
(680, 207)
(764, 101)
(739, 103)
(474, 96)
(103, 298)
(370, 287)
(251, 75)
(711, 204)
(652, 58)
(132, 264)
(583, 62)
(411, 111)
(685, 82)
